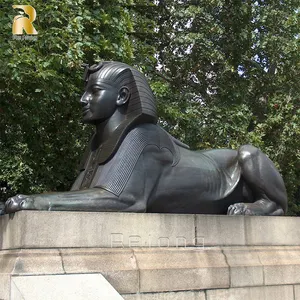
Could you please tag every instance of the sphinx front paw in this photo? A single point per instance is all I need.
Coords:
(239, 209)
(18, 202)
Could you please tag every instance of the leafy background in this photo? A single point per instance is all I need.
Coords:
(224, 73)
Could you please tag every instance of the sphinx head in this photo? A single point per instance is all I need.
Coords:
(112, 87)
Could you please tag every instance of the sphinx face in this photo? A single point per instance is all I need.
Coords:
(99, 102)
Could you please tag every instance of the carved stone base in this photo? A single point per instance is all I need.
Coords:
(201, 257)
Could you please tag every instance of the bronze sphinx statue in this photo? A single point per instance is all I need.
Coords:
(133, 165)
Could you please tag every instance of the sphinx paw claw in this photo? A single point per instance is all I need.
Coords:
(238, 209)
(16, 203)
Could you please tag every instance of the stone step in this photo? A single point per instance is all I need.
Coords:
(282, 292)
(46, 229)
(156, 270)
(66, 287)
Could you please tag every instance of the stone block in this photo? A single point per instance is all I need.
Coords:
(297, 292)
(118, 266)
(287, 274)
(67, 287)
(11, 233)
(95, 229)
(166, 296)
(281, 265)
(131, 230)
(272, 231)
(4, 287)
(284, 292)
(30, 262)
(38, 262)
(7, 261)
(261, 265)
(217, 230)
(245, 266)
(181, 269)
(213, 230)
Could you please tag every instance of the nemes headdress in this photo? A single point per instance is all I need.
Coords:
(141, 106)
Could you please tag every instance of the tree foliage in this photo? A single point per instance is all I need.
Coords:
(40, 87)
(225, 73)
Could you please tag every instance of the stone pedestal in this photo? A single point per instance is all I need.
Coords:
(152, 256)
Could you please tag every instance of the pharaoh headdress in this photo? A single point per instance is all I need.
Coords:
(141, 107)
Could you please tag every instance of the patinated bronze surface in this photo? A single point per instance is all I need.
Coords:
(133, 165)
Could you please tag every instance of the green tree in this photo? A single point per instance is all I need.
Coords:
(227, 74)
(41, 84)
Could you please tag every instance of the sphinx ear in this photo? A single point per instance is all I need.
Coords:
(123, 96)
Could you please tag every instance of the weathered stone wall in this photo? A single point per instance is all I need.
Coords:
(157, 256)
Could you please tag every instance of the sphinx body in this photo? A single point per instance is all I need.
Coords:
(133, 165)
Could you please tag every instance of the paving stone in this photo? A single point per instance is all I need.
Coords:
(67, 287)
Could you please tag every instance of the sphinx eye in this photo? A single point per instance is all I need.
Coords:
(96, 90)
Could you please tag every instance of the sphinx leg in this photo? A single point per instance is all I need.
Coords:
(265, 182)
(95, 199)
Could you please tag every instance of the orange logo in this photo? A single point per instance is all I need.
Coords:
(22, 22)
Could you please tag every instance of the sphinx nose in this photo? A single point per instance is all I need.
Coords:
(85, 99)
